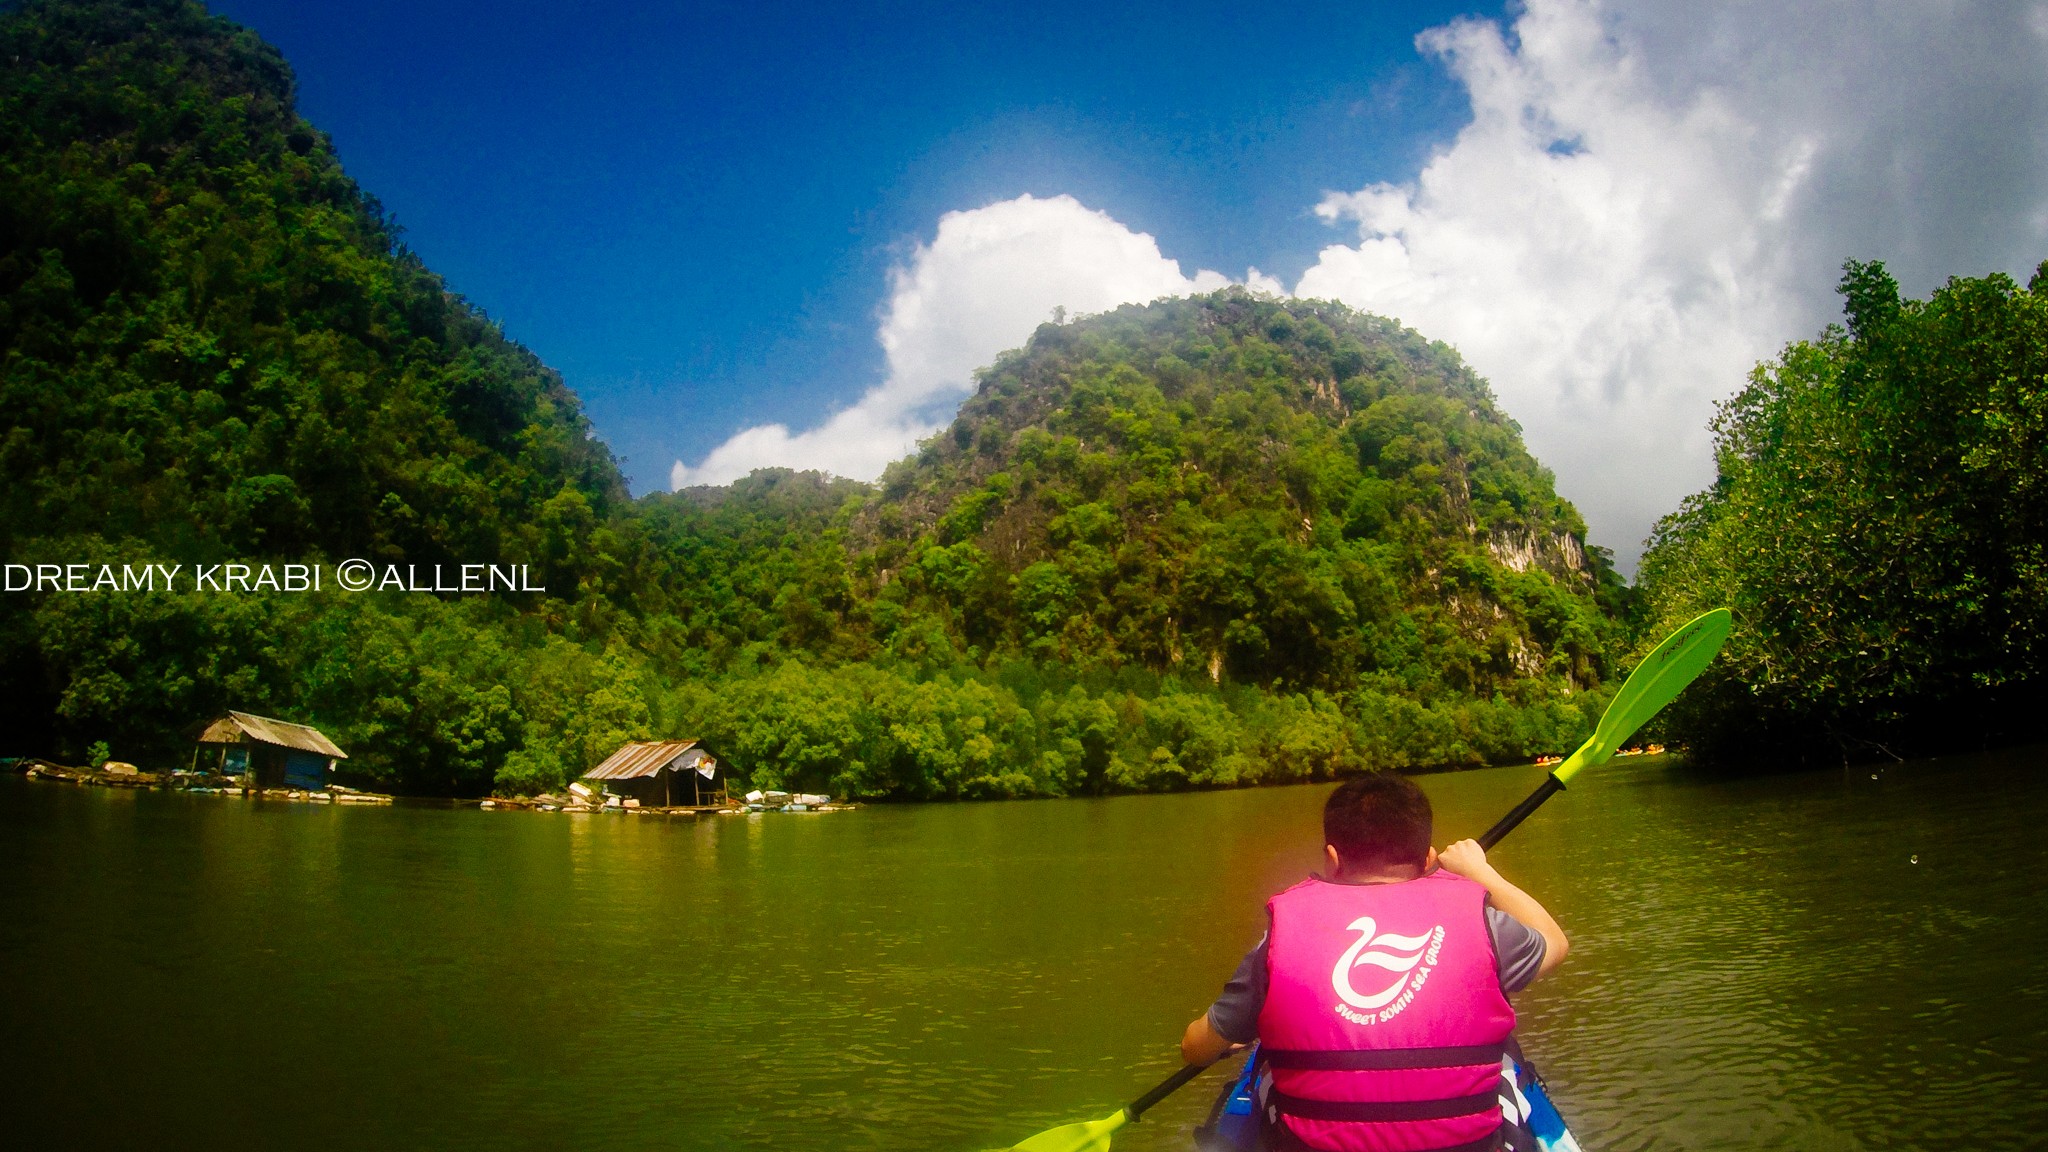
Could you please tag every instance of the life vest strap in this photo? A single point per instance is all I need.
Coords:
(1382, 1059)
(1383, 1111)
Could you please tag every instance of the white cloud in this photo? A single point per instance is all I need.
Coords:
(1652, 196)
(988, 278)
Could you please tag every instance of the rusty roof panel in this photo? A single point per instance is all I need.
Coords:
(639, 759)
(222, 731)
(306, 738)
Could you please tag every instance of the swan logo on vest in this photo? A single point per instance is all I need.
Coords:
(1406, 960)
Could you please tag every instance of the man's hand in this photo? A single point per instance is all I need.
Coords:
(1467, 859)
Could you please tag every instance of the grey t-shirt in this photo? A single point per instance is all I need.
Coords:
(1517, 952)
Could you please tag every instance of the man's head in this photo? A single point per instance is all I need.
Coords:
(1377, 823)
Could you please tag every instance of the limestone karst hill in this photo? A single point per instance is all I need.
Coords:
(1236, 486)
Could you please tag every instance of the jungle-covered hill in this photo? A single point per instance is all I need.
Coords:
(1211, 541)
(1282, 493)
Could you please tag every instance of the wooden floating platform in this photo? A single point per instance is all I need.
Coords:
(187, 782)
(532, 804)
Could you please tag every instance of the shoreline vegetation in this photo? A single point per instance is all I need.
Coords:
(1217, 541)
(1879, 524)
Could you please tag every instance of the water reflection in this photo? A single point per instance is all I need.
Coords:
(1757, 963)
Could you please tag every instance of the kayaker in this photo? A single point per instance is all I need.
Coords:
(1379, 992)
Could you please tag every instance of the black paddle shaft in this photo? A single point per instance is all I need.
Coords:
(1171, 1084)
(1551, 786)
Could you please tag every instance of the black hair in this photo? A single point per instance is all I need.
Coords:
(1379, 820)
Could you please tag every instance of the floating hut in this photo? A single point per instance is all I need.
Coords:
(663, 774)
(271, 753)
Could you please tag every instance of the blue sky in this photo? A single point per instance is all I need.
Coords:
(756, 236)
(691, 210)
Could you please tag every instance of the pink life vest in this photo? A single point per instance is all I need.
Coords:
(1384, 1023)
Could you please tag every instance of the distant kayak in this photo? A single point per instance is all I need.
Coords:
(1233, 1123)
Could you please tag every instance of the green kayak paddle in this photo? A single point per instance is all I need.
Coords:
(1657, 681)
(1093, 1135)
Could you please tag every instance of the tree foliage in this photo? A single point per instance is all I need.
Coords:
(1878, 525)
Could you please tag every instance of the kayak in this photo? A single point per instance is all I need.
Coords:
(1233, 1123)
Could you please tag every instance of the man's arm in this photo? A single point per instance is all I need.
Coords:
(1466, 858)
(1235, 1012)
(1202, 1044)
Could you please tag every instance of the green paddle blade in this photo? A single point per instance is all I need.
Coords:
(1087, 1136)
(1657, 681)
(1093, 1135)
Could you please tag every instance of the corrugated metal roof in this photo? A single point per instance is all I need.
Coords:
(280, 732)
(636, 760)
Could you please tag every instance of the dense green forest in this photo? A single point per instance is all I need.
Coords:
(212, 347)
(1210, 541)
(1204, 541)
(1878, 524)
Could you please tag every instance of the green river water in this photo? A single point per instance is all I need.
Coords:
(1827, 961)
